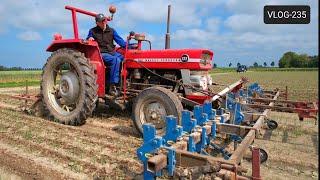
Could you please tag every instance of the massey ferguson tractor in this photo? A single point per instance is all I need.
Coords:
(155, 83)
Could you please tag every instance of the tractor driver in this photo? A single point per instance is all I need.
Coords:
(105, 35)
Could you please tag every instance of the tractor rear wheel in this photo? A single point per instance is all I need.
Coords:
(152, 105)
(68, 87)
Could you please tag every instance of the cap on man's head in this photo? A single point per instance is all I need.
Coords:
(100, 17)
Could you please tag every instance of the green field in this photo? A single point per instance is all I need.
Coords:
(301, 85)
(233, 69)
(19, 78)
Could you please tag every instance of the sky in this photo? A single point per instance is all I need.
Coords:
(233, 29)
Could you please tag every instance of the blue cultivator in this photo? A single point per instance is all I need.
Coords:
(203, 140)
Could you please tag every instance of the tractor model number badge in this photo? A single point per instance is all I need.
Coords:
(185, 58)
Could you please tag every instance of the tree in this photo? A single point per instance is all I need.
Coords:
(285, 60)
(301, 60)
(265, 64)
(292, 59)
(272, 64)
(3, 68)
(215, 65)
(230, 64)
(255, 64)
(314, 61)
(238, 64)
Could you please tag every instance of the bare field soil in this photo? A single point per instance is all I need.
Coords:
(33, 147)
(302, 85)
(293, 146)
(105, 147)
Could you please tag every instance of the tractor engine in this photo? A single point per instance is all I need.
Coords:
(141, 77)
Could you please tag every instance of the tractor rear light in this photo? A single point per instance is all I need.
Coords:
(57, 36)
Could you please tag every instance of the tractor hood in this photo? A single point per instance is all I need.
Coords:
(195, 59)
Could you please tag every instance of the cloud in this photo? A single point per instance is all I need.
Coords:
(36, 15)
(247, 6)
(244, 22)
(213, 24)
(186, 13)
(2, 28)
(29, 36)
(242, 34)
(192, 34)
(150, 37)
(256, 6)
(232, 28)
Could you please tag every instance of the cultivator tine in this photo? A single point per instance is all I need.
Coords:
(196, 141)
(188, 123)
(173, 131)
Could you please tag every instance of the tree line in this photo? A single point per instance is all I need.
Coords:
(255, 64)
(289, 60)
(3, 68)
(294, 60)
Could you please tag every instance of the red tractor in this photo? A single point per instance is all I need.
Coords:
(157, 82)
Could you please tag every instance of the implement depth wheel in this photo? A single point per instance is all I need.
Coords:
(152, 105)
(272, 124)
(263, 156)
(68, 87)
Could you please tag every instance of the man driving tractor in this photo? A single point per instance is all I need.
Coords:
(157, 82)
(105, 35)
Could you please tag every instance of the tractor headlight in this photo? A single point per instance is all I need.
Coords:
(205, 58)
(209, 79)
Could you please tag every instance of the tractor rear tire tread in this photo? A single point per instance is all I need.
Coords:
(89, 83)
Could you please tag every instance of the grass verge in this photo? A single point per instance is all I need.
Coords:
(19, 84)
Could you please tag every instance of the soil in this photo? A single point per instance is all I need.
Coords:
(105, 147)
(293, 148)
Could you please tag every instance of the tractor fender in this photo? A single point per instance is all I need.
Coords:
(92, 53)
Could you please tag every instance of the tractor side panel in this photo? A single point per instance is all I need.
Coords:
(169, 59)
(92, 52)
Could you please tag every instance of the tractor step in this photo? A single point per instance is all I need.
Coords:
(115, 102)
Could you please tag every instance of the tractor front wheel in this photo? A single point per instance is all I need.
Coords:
(152, 105)
(68, 87)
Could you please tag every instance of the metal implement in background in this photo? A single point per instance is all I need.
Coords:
(302, 108)
(31, 101)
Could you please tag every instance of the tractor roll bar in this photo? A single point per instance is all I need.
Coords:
(74, 18)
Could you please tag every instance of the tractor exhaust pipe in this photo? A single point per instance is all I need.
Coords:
(167, 45)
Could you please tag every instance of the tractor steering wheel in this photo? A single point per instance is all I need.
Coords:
(133, 46)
